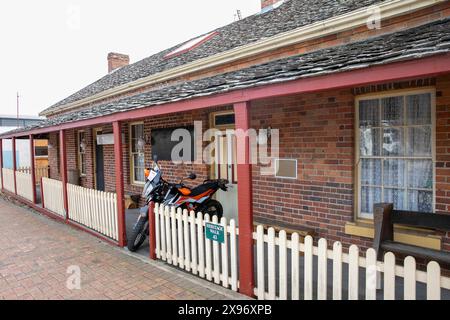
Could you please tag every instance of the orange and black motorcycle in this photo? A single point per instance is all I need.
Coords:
(156, 189)
(198, 199)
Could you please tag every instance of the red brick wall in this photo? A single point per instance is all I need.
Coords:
(318, 130)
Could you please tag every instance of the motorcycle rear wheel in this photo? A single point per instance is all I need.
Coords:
(213, 208)
(137, 236)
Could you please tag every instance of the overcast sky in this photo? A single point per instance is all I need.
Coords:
(52, 48)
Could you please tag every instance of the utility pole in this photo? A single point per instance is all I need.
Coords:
(18, 109)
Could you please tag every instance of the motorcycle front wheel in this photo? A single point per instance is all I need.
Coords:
(137, 236)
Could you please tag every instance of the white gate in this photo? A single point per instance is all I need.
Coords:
(352, 262)
(24, 185)
(94, 209)
(53, 199)
(181, 241)
(8, 180)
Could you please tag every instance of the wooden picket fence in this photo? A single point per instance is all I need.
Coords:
(372, 268)
(52, 196)
(24, 185)
(8, 180)
(40, 172)
(181, 242)
(94, 209)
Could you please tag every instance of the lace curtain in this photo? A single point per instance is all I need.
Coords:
(396, 153)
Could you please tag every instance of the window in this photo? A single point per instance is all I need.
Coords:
(191, 45)
(396, 152)
(82, 152)
(137, 158)
(41, 151)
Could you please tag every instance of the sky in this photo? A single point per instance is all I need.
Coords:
(53, 48)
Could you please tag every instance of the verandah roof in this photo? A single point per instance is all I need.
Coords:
(424, 41)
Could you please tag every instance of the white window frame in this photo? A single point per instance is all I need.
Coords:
(80, 166)
(131, 153)
(380, 95)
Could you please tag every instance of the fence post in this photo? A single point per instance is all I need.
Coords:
(245, 202)
(14, 163)
(152, 230)
(118, 152)
(42, 193)
(63, 164)
(33, 168)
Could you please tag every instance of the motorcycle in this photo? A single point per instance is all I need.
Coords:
(157, 190)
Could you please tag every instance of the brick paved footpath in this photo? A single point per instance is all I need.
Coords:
(36, 252)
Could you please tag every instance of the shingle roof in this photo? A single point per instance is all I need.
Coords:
(291, 15)
(419, 42)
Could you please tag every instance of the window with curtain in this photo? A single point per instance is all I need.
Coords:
(82, 152)
(396, 153)
(137, 161)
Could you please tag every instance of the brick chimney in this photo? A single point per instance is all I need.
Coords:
(267, 3)
(117, 60)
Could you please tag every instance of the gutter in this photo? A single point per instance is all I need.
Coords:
(316, 30)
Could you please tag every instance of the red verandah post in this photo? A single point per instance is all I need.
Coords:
(33, 167)
(152, 230)
(245, 202)
(1, 163)
(63, 157)
(118, 151)
(14, 163)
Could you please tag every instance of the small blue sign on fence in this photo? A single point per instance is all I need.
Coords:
(215, 232)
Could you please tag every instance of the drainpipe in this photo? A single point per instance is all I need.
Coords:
(33, 168)
(245, 202)
(118, 156)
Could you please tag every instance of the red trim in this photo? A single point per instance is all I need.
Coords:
(14, 163)
(152, 230)
(53, 216)
(63, 157)
(171, 55)
(431, 66)
(118, 161)
(245, 204)
(33, 167)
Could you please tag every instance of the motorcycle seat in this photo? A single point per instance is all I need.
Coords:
(203, 188)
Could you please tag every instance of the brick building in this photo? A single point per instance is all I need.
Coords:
(359, 91)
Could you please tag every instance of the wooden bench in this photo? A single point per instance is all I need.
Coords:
(278, 226)
(384, 219)
(132, 200)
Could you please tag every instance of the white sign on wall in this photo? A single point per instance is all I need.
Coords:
(105, 139)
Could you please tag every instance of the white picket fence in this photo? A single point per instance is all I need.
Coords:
(53, 199)
(372, 268)
(24, 185)
(8, 179)
(40, 172)
(181, 241)
(94, 209)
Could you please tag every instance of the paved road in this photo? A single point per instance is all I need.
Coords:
(36, 252)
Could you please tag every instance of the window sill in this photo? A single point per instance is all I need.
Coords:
(418, 237)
